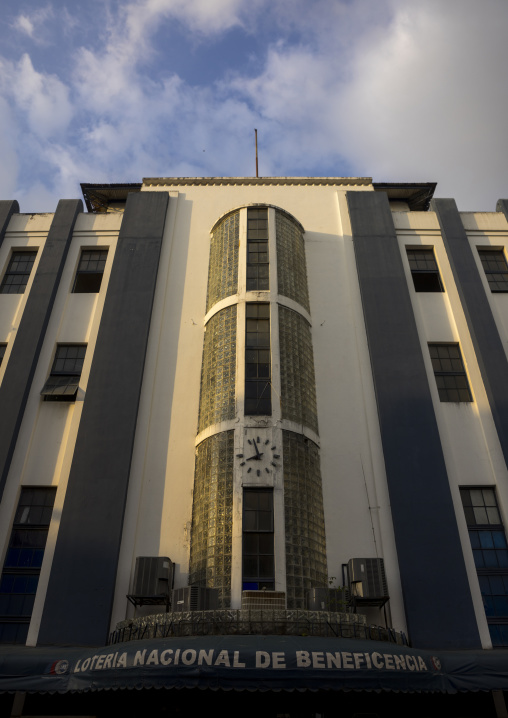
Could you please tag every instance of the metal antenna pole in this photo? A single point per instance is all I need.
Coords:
(256, 133)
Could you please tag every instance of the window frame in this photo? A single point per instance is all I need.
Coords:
(83, 278)
(489, 273)
(421, 275)
(445, 392)
(9, 272)
(258, 388)
(263, 532)
(489, 572)
(18, 601)
(257, 243)
(62, 384)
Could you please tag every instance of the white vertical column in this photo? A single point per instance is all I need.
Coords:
(236, 548)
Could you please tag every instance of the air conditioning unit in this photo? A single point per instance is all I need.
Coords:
(195, 598)
(367, 581)
(327, 599)
(153, 580)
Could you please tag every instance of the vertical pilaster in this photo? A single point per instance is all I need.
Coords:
(82, 581)
(487, 342)
(8, 207)
(435, 587)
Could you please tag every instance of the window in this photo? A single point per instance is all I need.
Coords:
(258, 553)
(257, 249)
(490, 551)
(3, 348)
(496, 269)
(63, 382)
(20, 575)
(90, 270)
(18, 272)
(451, 379)
(258, 395)
(424, 270)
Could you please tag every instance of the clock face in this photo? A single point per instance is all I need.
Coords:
(260, 457)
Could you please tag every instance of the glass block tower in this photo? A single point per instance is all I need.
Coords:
(257, 520)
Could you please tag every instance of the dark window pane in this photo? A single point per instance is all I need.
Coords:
(478, 559)
(250, 543)
(499, 539)
(250, 566)
(450, 373)
(475, 538)
(249, 521)
(502, 557)
(266, 567)
(500, 606)
(490, 559)
(486, 540)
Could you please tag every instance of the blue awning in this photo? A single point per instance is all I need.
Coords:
(251, 663)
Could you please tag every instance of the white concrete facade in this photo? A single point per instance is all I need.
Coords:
(158, 512)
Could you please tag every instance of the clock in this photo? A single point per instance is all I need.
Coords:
(260, 456)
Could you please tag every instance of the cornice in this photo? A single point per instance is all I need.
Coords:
(255, 181)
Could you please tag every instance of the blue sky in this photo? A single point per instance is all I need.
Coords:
(114, 91)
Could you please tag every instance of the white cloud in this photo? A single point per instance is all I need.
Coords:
(401, 92)
(43, 97)
(426, 101)
(24, 24)
(417, 98)
(32, 24)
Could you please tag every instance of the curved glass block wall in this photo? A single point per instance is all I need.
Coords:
(291, 265)
(212, 516)
(224, 480)
(218, 369)
(223, 267)
(306, 565)
(297, 379)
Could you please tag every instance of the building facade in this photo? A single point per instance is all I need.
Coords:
(261, 379)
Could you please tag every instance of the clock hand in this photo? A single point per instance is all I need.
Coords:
(257, 457)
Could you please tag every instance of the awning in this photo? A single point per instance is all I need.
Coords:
(251, 663)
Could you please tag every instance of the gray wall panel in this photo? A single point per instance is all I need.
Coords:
(437, 598)
(490, 353)
(502, 206)
(25, 352)
(82, 582)
(8, 207)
